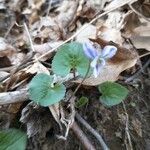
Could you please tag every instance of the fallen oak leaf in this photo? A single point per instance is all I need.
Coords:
(141, 42)
(123, 60)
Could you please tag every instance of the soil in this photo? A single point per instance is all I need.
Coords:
(109, 122)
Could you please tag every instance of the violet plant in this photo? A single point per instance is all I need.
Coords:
(98, 58)
(76, 57)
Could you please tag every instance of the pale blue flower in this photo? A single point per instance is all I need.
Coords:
(98, 58)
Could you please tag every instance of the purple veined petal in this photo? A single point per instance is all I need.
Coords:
(108, 51)
(90, 51)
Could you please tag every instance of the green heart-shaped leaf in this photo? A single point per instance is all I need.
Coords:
(12, 139)
(41, 92)
(70, 56)
(112, 93)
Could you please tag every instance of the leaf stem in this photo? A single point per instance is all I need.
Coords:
(80, 82)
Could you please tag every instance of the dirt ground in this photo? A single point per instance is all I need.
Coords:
(109, 122)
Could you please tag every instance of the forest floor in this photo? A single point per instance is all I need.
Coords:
(31, 31)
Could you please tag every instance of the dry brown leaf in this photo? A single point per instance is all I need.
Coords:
(123, 60)
(143, 30)
(141, 42)
(128, 25)
(67, 13)
(111, 34)
(141, 36)
(5, 48)
(37, 68)
(89, 32)
(110, 31)
(56, 113)
(46, 28)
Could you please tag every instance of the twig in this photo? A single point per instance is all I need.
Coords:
(138, 72)
(92, 21)
(49, 7)
(82, 137)
(143, 55)
(138, 13)
(94, 132)
(127, 127)
(30, 40)
(13, 97)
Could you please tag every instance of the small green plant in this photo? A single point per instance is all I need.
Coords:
(12, 139)
(112, 93)
(43, 92)
(81, 102)
(76, 57)
(70, 57)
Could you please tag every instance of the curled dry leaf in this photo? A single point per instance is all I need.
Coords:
(123, 60)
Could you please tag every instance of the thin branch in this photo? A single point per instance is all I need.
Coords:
(30, 40)
(94, 132)
(13, 97)
(138, 13)
(82, 137)
(143, 55)
(138, 72)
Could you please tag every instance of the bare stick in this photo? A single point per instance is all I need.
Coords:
(143, 55)
(82, 137)
(13, 97)
(30, 40)
(138, 72)
(138, 13)
(94, 132)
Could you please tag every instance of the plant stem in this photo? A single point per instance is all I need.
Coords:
(94, 132)
(80, 83)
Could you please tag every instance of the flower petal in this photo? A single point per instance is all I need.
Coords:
(94, 61)
(108, 51)
(96, 70)
(90, 51)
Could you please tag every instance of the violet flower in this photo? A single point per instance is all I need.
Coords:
(98, 58)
